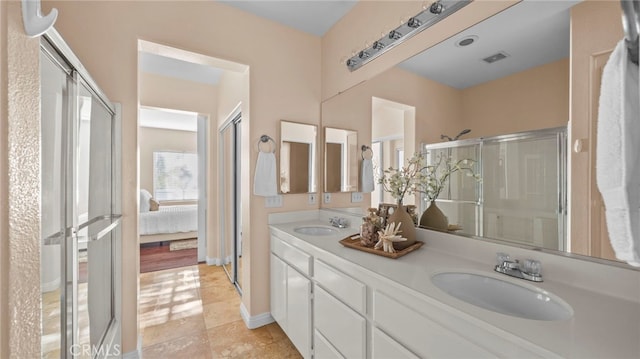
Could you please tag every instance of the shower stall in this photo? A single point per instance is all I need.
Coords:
(522, 195)
(80, 225)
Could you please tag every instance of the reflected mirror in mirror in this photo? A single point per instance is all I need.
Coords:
(340, 160)
(524, 69)
(298, 157)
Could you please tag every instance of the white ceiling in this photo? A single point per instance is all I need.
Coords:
(533, 33)
(168, 119)
(171, 67)
(311, 16)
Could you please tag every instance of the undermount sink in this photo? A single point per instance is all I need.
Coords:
(503, 297)
(316, 230)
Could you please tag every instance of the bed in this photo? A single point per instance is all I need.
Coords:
(169, 223)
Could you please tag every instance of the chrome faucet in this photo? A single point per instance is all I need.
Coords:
(339, 222)
(530, 270)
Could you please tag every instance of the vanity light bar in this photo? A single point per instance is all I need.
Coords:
(424, 19)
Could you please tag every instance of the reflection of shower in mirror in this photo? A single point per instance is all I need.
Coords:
(463, 132)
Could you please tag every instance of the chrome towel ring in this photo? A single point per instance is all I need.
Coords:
(269, 140)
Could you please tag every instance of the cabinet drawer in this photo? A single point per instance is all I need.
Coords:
(322, 349)
(341, 326)
(350, 291)
(420, 334)
(385, 347)
(295, 257)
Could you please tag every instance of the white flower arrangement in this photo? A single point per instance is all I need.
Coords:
(434, 177)
(405, 180)
(418, 177)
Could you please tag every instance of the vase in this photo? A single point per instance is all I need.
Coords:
(433, 218)
(408, 228)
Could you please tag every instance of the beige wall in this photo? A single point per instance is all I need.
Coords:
(534, 99)
(285, 83)
(157, 139)
(20, 181)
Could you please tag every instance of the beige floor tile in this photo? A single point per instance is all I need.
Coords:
(235, 340)
(194, 346)
(172, 329)
(220, 313)
(213, 294)
(194, 312)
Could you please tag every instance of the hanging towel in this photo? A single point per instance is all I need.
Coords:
(367, 184)
(618, 154)
(264, 182)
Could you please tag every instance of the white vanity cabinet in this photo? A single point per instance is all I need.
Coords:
(291, 294)
(332, 308)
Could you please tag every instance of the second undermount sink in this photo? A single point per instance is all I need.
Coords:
(316, 230)
(503, 297)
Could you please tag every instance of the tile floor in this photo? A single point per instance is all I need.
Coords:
(194, 312)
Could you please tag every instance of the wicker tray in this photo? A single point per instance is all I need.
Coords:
(355, 244)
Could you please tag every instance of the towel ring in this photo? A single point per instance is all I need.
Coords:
(366, 148)
(266, 139)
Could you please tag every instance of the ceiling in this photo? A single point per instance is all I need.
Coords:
(168, 119)
(311, 16)
(531, 33)
(171, 67)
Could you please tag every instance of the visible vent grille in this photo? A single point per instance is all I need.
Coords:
(496, 57)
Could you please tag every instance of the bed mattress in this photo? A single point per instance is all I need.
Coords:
(169, 219)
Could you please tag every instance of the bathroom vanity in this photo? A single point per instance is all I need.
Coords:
(337, 302)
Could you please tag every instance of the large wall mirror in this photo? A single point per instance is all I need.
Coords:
(340, 160)
(298, 146)
(533, 66)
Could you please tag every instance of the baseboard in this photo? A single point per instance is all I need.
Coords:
(255, 321)
(213, 261)
(136, 354)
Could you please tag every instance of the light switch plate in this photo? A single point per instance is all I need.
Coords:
(327, 198)
(273, 202)
(356, 197)
(313, 198)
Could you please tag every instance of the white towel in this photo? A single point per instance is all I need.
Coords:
(366, 177)
(265, 180)
(618, 154)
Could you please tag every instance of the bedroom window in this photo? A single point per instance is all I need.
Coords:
(175, 176)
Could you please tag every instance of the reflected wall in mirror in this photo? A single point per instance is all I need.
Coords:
(526, 68)
(298, 146)
(340, 160)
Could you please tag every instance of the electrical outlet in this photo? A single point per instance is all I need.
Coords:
(313, 198)
(327, 198)
(273, 201)
(356, 197)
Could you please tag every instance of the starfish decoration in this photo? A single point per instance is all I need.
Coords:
(387, 237)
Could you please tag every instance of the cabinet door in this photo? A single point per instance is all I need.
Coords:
(384, 347)
(279, 291)
(322, 349)
(340, 325)
(299, 311)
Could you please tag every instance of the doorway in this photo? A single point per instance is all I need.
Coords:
(230, 214)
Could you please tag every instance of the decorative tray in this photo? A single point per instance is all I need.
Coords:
(355, 244)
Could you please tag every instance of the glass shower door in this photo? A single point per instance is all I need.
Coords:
(79, 228)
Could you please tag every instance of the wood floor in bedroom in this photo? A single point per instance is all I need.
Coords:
(194, 312)
(157, 256)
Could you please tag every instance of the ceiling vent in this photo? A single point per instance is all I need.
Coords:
(496, 57)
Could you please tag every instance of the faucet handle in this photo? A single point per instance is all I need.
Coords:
(501, 258)
(532, 266)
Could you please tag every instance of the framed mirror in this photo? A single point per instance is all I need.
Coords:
(542, 73)
(340, 160)
(298, 152)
